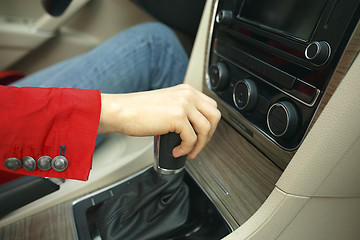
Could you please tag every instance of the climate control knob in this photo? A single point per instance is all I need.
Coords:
(318, 52)
(219, 76)
(283, 119)
(245, 94)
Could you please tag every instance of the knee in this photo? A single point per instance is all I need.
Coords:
(157, 34)
(154, 29)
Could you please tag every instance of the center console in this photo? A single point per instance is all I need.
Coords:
(270, 63)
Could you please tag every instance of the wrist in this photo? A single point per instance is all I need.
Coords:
(108, 116)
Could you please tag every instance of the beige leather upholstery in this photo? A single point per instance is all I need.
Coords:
(328, 162)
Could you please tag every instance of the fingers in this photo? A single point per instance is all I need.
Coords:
(188, 141)
(195, 136)
(211, 113)
(202, 119)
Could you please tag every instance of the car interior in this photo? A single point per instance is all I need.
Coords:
(284, 161)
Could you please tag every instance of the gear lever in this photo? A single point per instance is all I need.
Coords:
(152, 204)
(165, 162)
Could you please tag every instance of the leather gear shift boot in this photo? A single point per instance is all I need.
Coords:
(150, 206)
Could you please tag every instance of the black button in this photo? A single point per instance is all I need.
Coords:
(12, 163)
(318, 52)
(28, 163)
(283, 119)
(44, 163)
(59, 163)
(278, 120)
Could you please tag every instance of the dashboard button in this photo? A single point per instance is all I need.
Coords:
(282, 119)
(318, 52)
(219, 76)
(245, 94)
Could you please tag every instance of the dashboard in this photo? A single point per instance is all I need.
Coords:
(270, 66)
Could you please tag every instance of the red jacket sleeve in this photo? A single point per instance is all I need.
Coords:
(38, 122)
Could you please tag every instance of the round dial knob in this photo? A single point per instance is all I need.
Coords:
(318, 52)
(245, 94)
(282, 119)
(224, 17)
(219, 76)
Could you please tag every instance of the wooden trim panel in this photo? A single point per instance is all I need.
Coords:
(53, 223)
(235, 174)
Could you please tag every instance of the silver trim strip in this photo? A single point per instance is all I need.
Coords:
(165, 171)
(211, 200)
(208, 49)
(286, 93)
(203, 165)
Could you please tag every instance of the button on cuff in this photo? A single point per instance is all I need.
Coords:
(44, 163)
(28, 163)
(59, 163)
(12, 163)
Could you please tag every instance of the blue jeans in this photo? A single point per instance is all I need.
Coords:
(145, 57)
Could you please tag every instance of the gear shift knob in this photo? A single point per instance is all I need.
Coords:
(165, 163)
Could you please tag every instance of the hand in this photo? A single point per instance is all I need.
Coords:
(180, 109)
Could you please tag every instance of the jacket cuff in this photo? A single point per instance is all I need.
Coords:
(49, 122)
